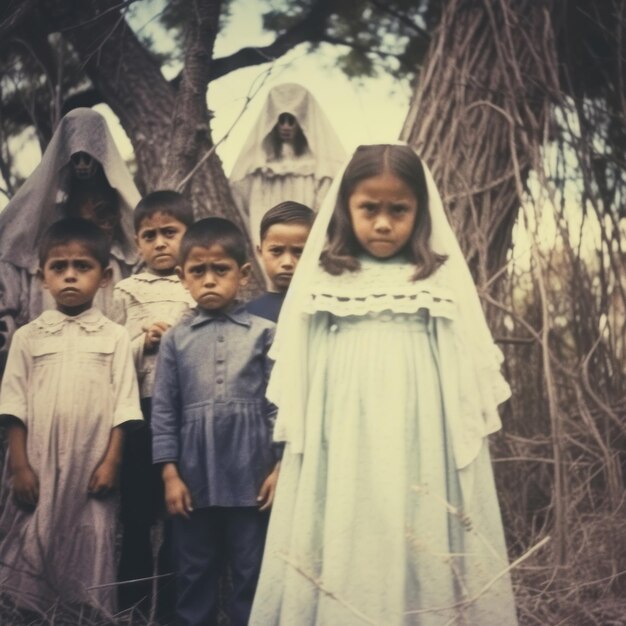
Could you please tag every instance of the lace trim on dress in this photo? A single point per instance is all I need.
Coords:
(141, 288)
(381, 286)
(51, 322)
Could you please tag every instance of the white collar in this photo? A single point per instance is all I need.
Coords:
(52, 321)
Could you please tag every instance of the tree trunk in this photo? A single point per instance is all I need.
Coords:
(479, 116)
(168, 126)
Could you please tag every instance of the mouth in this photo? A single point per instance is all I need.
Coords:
(70, 290)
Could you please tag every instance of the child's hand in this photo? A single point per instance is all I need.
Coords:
(268, 489)
(153, 335)
(103, 480)
(26, 487)
(177, 497)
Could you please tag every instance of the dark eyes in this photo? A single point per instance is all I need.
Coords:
(399, 208)
(150, 235)
(396, 209)
(61, 266)
(201, 270)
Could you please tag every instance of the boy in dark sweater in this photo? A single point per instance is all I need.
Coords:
(284, 231)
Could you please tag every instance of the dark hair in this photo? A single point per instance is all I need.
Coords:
(369, 161)
(165, 201)
(212, 231)
(75, 229)
(288, 212)
(300, 144)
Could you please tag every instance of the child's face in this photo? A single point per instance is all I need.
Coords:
(382, 210)
(158, 240)
(73, 276)
(212, 277)
(280, 252)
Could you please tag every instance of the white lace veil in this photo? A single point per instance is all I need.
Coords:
(35, 206)
(322, 140)
(288, 383)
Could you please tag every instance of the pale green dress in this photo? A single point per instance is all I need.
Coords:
(374, 522)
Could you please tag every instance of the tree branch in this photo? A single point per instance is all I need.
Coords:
(401, 17)
(14, 15)
(338, 41)
(311, 28)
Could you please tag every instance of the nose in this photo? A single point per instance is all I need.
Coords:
(382, 224)
(160, 242)
(70, 275)
(209, 279)
(287, 261)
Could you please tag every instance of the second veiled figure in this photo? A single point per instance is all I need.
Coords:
(292, 153)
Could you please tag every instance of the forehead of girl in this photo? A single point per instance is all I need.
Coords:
(385, 187)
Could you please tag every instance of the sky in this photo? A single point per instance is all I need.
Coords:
(367, 111)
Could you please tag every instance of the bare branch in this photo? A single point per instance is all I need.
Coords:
(310, 29)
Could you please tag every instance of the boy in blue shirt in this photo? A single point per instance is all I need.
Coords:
(212, 427)
(284, 231)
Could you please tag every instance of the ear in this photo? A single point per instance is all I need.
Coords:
(40, 276)
(107, 275)
(245, 271)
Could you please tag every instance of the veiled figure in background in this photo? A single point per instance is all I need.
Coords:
(292, 153)
(81, 174)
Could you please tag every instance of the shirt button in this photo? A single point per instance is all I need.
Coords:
(220, 339)
(333, 328)
(219, 381)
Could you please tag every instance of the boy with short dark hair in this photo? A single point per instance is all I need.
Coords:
(68, 391)
(212, 427)
(148, 303)
(284, 231)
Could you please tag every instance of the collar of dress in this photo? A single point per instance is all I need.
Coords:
(53, 321)
(148, 277)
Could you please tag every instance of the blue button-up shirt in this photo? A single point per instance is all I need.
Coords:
(209, 412)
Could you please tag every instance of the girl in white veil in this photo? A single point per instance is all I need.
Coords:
(387, 383)
(292, 153)
(82, 146)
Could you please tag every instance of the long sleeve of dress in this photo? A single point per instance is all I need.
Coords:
(14, 391)
(125, 389)
(166, 405)
(121, 304)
